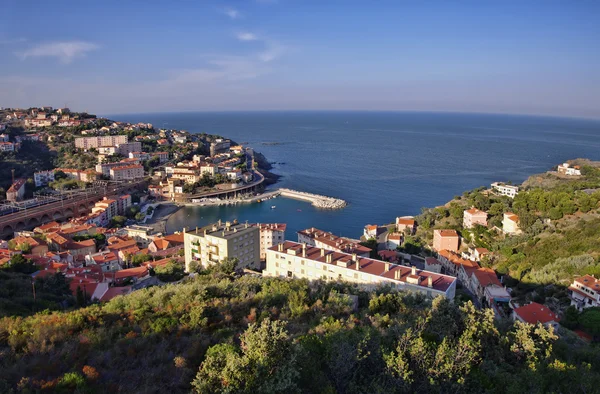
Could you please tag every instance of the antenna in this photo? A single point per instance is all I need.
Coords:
(13, 175)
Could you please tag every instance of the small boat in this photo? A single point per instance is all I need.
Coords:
(299, 210)
(273, 207)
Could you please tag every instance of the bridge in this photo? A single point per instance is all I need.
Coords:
(73, 206)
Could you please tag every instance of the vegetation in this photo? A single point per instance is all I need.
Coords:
(215, 333)
(33, 156)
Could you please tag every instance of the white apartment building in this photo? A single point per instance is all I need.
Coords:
(325, 240)
(505, 190)
(129, 172)
(566, 169)
(100, 141)
(295, 260)
(214, 243)
(271, 234)
(585, 292)
(43, 178)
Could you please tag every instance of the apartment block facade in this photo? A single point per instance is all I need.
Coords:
(214, 243)
(295, 260)
(100, 141)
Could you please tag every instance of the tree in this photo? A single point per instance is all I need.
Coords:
(590, 321)
(118, 221)
(171, 272)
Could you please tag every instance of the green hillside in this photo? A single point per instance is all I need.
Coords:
(215, 333)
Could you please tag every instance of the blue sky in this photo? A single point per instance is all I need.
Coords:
(538, 57)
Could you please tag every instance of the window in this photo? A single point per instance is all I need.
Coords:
(302, 272)
(290, 274)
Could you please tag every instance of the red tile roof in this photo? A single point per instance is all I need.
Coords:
(113, 292)
(589, 281)
(534, 313)
(447, 233)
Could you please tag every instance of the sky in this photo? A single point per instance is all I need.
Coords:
(113, 57)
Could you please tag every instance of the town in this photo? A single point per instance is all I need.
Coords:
(88, 223)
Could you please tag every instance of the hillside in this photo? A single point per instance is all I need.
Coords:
(215, 334)
(560, 220)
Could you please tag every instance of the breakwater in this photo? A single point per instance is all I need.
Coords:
(316, 200)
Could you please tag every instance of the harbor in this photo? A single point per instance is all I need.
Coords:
(318, 201)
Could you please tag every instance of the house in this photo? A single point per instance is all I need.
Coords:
(433, 265)
(535, 313)
(131, 274)
(584, 292)
(43, 178)
(108, 261)
(453, 264)
(566, 169)
(510, 224)
(113, 292)
(479, 253)
(485, 285)
(474, 216)
(163, 157)
(166, 242)
(505, 190)
(446, 240)
(406, 223)
(123, 202)
(16, 192)
(388, 255)
(38, 246)
(394, 241)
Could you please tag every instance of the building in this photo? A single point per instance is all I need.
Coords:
(43, 178)
(485, 285)
(38, 246)
(7, 147)
(394, 241)
(271, 234)
(100, 141)
(328, 241)
(16, 192)
(505, 190)
(142, 234)
(535, 313)
(167, 242)
(186, 174)
(123, 202)
(214, 243)
(474, 216)
(510, 224)
(163, 157)
(295, 260)
(453, 264)
(566, 169)
(104, 168)
(406, 223)
(433, 265)
(585, 292)
(219, 146)
(108, 205)
(78, 175)
(127, 172)
(446, 240)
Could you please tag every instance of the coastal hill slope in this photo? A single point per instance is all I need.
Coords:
(217, 333)
(560, 221)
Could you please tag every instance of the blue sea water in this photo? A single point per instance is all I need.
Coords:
(385, 164)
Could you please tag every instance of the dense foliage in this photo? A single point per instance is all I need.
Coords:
(214, 333)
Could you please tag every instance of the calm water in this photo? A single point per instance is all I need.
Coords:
(384, 164)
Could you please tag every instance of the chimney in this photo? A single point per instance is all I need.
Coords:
(397, 274)
(219, 222)
(322, 252)
(328, 258)
(353, 256)
(387, 267)
(414, 270)
(280, 247)
(358, 265)
(429, 281)
(303, 250)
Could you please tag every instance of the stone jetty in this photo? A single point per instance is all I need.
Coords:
(318, 201)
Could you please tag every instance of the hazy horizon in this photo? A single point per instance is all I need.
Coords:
(289, 55)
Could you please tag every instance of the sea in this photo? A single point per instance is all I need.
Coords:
(384, 164)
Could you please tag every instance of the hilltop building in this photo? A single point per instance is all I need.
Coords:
(510, 224)
(505, 190)
(585, 292)
(446, 240)
(271, 234)
(474, 216)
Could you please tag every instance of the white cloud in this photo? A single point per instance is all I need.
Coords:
(247, 36)
(273, 51)
(232, 13)
(65, 51)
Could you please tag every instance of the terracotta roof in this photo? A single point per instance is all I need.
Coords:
(486, 277)
(534, 313)
(137, 272)
(174, 239)
(28, 240)
(447, 233)
(475, 211)
(589, 281)
(48, 226)
(432, 261)
(271, 226)
(512, 216)
(371, 266)
(407, 222)
(113, 292)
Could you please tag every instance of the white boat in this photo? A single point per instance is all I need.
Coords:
(273, 207)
